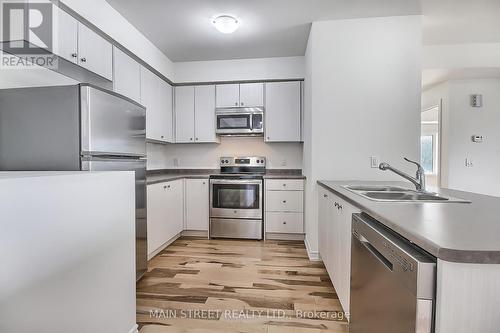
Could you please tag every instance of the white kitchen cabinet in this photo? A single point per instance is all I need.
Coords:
(204, 107)
(175, 206)
(284, 206)
(126, 75)
(156, 96)
(228, 95)
(165, 209)
(94, 52)
(195, 114)
(197, 205)
(335, 220)
(251, 94)
(283, 115)
(67, 35)
(157, 211)
(184, 114)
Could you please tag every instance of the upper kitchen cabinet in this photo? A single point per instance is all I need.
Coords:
(195, 114)
(184, 114)
(94, 52)
(126, 75)
(283, 112)
(67, 33)
(240, 95)
(251, 94)
(156, 96)
(228, 95)
(204, 120)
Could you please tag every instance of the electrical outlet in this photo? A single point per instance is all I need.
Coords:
(374, 162)
(176, 162)
(469, 163)
(284, 162)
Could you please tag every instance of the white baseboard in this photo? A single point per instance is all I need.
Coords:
(161, 248)
(283, 236)
(134, 329)
(313, 255)
(195, 233)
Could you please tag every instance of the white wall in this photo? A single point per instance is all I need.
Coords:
(239, 70)
(460, 122)
(206, 156)
(67, 269)
(365, 77)
(110, 21)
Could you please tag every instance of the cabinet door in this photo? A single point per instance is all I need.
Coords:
(184, 114)
(204, 126)
(157, 211)
(126, 75)
(149, 98)
(228, 95)
(251, 94)
(67, 30)
(197, 203)
(165, 110)
(175, 204)
(283, 112)
(322, 223)
(94, 52)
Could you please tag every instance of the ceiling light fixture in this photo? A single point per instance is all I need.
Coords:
(226, 24)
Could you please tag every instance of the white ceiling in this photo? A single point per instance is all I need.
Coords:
(271, 28)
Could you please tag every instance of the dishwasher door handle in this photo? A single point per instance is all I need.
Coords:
(374, 252)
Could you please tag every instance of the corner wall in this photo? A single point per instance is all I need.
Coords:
(363, 81)
(460, 122)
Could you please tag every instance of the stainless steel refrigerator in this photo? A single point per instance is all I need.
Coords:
(80, 127)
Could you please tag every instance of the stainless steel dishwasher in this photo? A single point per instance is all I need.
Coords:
(392, 282)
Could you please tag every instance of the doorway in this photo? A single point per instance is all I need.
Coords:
(430, 144)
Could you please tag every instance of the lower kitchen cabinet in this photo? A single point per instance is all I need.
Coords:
(284, 206)
(197, 205)
(165, 208)
(335, 220)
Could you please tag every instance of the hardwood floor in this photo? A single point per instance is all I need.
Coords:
(232, 286)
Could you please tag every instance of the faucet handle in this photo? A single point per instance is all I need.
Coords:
(416, 163)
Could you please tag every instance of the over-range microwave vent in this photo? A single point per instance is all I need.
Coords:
(248, 121)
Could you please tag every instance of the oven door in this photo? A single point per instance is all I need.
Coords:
(236, 199)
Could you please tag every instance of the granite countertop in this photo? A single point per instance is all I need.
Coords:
(167, 175)
(456, 232)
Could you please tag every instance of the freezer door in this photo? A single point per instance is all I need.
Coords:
(111, 124)
(139, 166)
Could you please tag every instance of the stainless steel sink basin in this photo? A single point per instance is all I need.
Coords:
(399, 194)
(375, 188)
(404, 196)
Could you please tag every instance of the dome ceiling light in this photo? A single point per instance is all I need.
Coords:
(226, 24)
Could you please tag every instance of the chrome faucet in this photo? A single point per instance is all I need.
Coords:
(418, 181)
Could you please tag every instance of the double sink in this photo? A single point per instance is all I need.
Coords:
(399, 194)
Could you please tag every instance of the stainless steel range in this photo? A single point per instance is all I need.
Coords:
(236, 202)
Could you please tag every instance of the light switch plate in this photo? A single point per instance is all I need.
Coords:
(469, 163)
(374, 162)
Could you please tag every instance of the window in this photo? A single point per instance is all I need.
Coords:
(427, 153)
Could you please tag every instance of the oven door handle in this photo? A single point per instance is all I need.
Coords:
(236, 181)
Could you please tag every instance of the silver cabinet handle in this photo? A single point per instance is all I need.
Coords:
(284, 185)
(242, 103)
(83, 60)
(196, 139)
(74, 55)
(284, 201)
(162, 137)
(191, 139)
(284, 222)
(236, 103)
(325, 195)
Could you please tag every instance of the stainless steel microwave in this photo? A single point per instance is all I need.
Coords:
(240, 121)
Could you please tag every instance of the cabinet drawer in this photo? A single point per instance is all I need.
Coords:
(284, 201)
(291, 223)
(284, 185)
